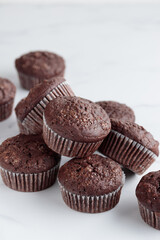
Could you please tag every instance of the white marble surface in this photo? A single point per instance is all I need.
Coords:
(78, 1)
(112, 52)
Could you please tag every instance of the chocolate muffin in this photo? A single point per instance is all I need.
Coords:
(7, 95)
(92, 184)
(34, 67)
(118, 111)
(130, 145)
(29, 111)
(148, 195)
(27, 164)
(73, 126)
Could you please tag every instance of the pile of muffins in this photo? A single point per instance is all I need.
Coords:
(53, 122)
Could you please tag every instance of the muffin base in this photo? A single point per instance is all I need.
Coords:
(32, 182)
(150, 217)
(33, 122)
(127, 152)
(91, 204)
(6, 110)
(28, 82)
(67, 147)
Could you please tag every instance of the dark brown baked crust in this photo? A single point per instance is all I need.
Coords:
(36, 94)
(77, 119)
(7, 90)
(27, 154)
(41, 64)
(136, 133)
(118, 111)
(148, 191)
(91, 176)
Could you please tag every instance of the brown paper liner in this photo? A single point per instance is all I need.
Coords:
(33, 122)
(32, 182)
(6, 109)
(67, 147)
(22, 129)
(91, 204)
(29, 82)
(150, 217)
(130, 154)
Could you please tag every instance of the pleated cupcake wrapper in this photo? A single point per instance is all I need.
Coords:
(29, 82)
(29, 182)
(127, 152)
(91, 204)
(33, 122)
(150, 217)
(6, 110)
(23, 129)
(67, 147)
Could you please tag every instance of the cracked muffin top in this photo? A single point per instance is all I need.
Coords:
(41, 64)
(148, 191)
(77, 119)
(27, 154)
(7, 90)
(91, 176)
(118, 111)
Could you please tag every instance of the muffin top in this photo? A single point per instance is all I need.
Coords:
(36, 94)
(91, 176)
(148, 191)
(7, 90)
(118, 111)
(27, 154)
(77, 119)
(136, 133)
(41, 64)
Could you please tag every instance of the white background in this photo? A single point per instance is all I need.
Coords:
(81, 1)
(112, 51)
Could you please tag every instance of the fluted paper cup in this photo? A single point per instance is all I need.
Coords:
(29, 82)
(33, 122)
(29, 182)
(150, 217)
(127, 152)
(6, 109)
(91, 204)
(67, 147)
